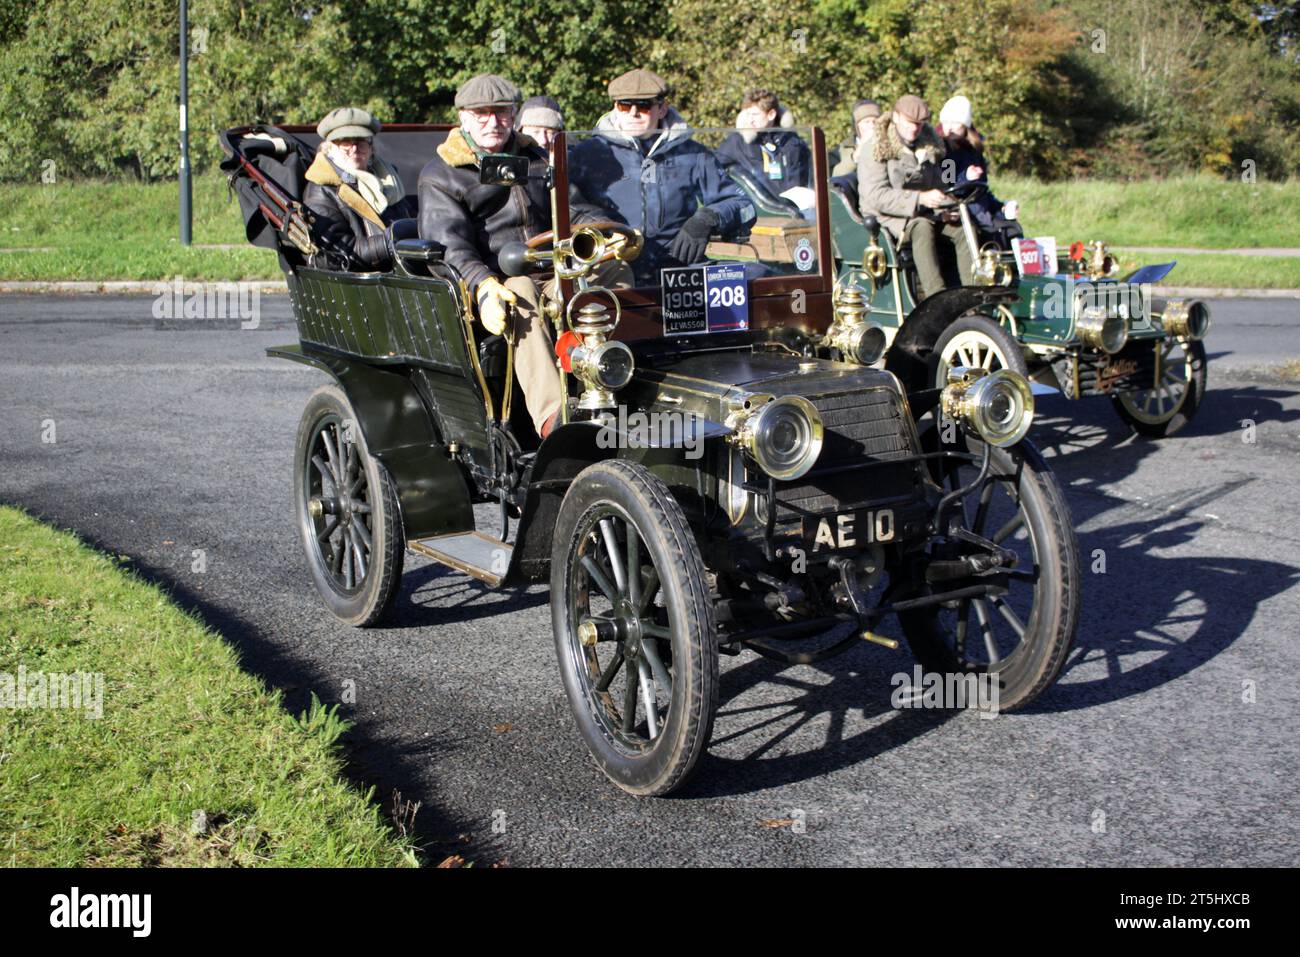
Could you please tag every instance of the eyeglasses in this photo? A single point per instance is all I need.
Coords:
(354, 144)
(504, 114)
(627, 106)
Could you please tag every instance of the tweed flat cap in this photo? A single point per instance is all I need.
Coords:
(347, 122)
(638, 85)
(486, 89)
(912, 107)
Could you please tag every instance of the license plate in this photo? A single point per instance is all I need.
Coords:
(825, 533)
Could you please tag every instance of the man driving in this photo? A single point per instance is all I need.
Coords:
(894, 166)
(648, 171)
(475, 221)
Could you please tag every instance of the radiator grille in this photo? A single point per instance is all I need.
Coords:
(861, 426)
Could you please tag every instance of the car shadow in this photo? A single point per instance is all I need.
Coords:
(434, 594)
(1147, 619)
(843, 703)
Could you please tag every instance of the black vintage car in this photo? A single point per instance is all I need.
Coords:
(738, 469)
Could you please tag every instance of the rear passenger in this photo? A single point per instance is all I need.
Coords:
(354, 193)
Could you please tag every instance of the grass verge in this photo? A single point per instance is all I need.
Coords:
(1220, 271)
(1198, 211)
(124, 230)
(192, 763)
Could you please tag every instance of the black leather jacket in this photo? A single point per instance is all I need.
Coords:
(343, 227)
(474, 221)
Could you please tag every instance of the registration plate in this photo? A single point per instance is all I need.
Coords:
(849, 529)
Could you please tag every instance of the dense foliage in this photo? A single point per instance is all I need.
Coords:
(1107, 87)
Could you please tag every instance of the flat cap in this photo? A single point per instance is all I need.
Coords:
(540, 111)
(347, 122)
(912, 107)
(486, 89)
(638, 85)
(865, 110)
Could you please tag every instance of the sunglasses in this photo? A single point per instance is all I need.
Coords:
(644, 106)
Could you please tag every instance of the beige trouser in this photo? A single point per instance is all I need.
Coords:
(534, 352)
(535, 361)
(925, 235)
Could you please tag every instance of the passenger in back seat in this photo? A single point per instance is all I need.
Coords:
(354, 193)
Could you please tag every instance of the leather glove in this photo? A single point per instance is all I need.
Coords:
(693, 238)
(373, 251)
(493, 298)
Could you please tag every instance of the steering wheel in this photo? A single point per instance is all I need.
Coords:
(589, 245)
(967, 191)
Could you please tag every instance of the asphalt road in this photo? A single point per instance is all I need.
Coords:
(1171, 738)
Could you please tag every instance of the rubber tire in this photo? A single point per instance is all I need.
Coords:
(1196, 385)
(384, 573)
(991, 330)
(1054, 621)
(668, 763)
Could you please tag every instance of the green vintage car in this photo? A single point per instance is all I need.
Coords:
(731, 474)
(1081, 331)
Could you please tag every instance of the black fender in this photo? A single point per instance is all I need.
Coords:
(400, 432)
(566, 452)
(909, 355)
(571, 448)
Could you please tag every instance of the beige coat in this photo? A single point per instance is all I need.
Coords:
(885, 162)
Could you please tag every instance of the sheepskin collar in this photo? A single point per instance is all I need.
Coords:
(887, 144)
(456, 150)
(324, 173)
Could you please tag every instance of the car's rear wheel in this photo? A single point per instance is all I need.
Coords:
(976, 341)
(1170, 405)
(634, 627)
(1022, 635)
(347, 512)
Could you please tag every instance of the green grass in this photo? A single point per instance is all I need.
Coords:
(124, 230)
(1199, 211)
(183, 730)
(1221, 272)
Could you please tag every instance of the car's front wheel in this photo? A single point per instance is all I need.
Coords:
(976, 341)
(1172, 403)
(347, 512)
(634, 627)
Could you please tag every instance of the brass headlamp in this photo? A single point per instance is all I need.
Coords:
(998, 406)
(857, 339)
(1186, 319)
(603, 366)
(1101, 264)
(991, 270)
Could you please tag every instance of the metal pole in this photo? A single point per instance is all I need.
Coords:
(185, 126)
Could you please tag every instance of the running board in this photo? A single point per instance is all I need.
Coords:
(484, 557)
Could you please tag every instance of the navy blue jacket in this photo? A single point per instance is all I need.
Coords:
(779, 158)
(987, 210)
(655, 185)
